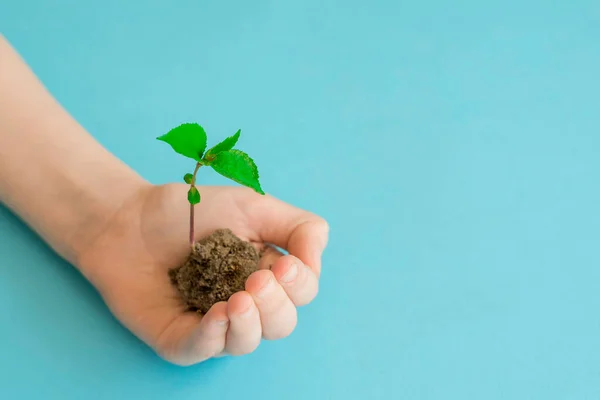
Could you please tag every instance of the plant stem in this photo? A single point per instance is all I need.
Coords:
(192, 239)
(193, 184)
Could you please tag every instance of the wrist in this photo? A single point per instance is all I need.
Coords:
(72, 190)
(94, 209)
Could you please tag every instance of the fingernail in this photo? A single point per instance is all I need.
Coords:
(248, 310)
(222, 322)
(262, 293)
(291, 274)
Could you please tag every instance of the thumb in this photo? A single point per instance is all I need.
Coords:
(302, 233)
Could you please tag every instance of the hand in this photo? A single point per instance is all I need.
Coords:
(129, 260)
(124, 234)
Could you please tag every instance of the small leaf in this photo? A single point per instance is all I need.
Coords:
(239, 167)
(187, 139)
(188, 178)
(225, 145)
(193, 195)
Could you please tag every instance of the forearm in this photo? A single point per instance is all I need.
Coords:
(53, 174)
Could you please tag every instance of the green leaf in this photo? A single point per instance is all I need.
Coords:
(193, 195)
(225, 145)
(188, 178)
(187, 139)
(239, 167)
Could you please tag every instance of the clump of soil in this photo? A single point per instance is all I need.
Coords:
(217, 268)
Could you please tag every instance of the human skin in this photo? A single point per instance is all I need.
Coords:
(124, 233)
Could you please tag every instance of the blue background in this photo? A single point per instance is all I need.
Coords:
(453, 147)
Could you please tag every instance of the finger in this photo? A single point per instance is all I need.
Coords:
(245, 331)
(187, 341)
(277, 312)
(303, 234)
(269, 255)
(297, 280)
(308, 241)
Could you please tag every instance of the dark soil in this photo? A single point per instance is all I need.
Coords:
(217, 268)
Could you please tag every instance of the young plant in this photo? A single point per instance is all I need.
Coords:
(190, 140)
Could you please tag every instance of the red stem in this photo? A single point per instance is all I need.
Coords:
(192, 238)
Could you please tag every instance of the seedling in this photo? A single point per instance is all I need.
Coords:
(190, 140)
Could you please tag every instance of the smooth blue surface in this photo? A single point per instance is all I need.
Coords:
(453, 146)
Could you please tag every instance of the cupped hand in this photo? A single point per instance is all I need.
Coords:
(129, 260)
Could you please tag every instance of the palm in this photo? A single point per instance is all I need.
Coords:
(149, 235)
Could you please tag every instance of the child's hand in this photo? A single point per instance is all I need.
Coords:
(128, 263)
(125, 234)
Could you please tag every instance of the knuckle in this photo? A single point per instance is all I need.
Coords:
(257, 280)
(242, 351)
(165, 347)
(238, 352)
(308, 297)
(168, 350)
(276, 304)
(281, 331)
(168, 354)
